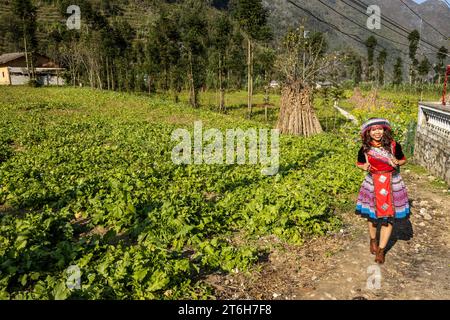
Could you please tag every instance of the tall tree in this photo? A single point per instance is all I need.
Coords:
(192, 26)
(252, 18)
(398, 74)
(381, 61)
(424, 68)
(220, 40)
(440, 66)
(265, 67)
(357, 73)
(414, 39)
(353, 64)
(26, 12)
(151, 65)
(236, 61)
(164, 53)
(10, 39)
(116, 54)
(371, 44)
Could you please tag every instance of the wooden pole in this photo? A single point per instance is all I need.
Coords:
(447, 74)
(26, 49)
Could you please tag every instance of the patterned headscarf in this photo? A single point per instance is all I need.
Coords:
(375, 122)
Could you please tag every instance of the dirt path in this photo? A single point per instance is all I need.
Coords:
(341, 267)
(346, 114)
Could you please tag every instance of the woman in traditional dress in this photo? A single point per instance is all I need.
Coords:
(382, 197)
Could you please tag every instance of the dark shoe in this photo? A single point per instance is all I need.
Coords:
(380, 256)
(373, 246)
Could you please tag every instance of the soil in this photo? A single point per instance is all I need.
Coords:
(340, 266)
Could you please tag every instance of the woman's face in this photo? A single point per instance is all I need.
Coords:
(376, 133)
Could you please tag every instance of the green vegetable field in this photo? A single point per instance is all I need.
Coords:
(87, 180)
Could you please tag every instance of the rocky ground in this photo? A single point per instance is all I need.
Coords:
(340, 266)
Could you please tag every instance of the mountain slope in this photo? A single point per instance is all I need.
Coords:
(283, 14)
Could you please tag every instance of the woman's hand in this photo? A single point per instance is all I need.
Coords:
(397, 163)
(394, 162)
(365, 166)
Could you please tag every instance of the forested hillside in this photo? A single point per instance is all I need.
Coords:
(148, 45)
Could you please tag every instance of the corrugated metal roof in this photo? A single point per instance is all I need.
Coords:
(7, 57)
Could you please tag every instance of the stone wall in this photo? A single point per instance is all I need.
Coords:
(432, 142)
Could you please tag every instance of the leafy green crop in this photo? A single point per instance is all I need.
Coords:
(86, 180)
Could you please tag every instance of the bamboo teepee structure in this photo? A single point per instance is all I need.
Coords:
(297, 116)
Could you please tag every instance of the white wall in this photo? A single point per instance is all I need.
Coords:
(19, 79)
(44, 80)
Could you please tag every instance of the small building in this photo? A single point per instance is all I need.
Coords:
(13, 70)
(274, 84)
(323, 84)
